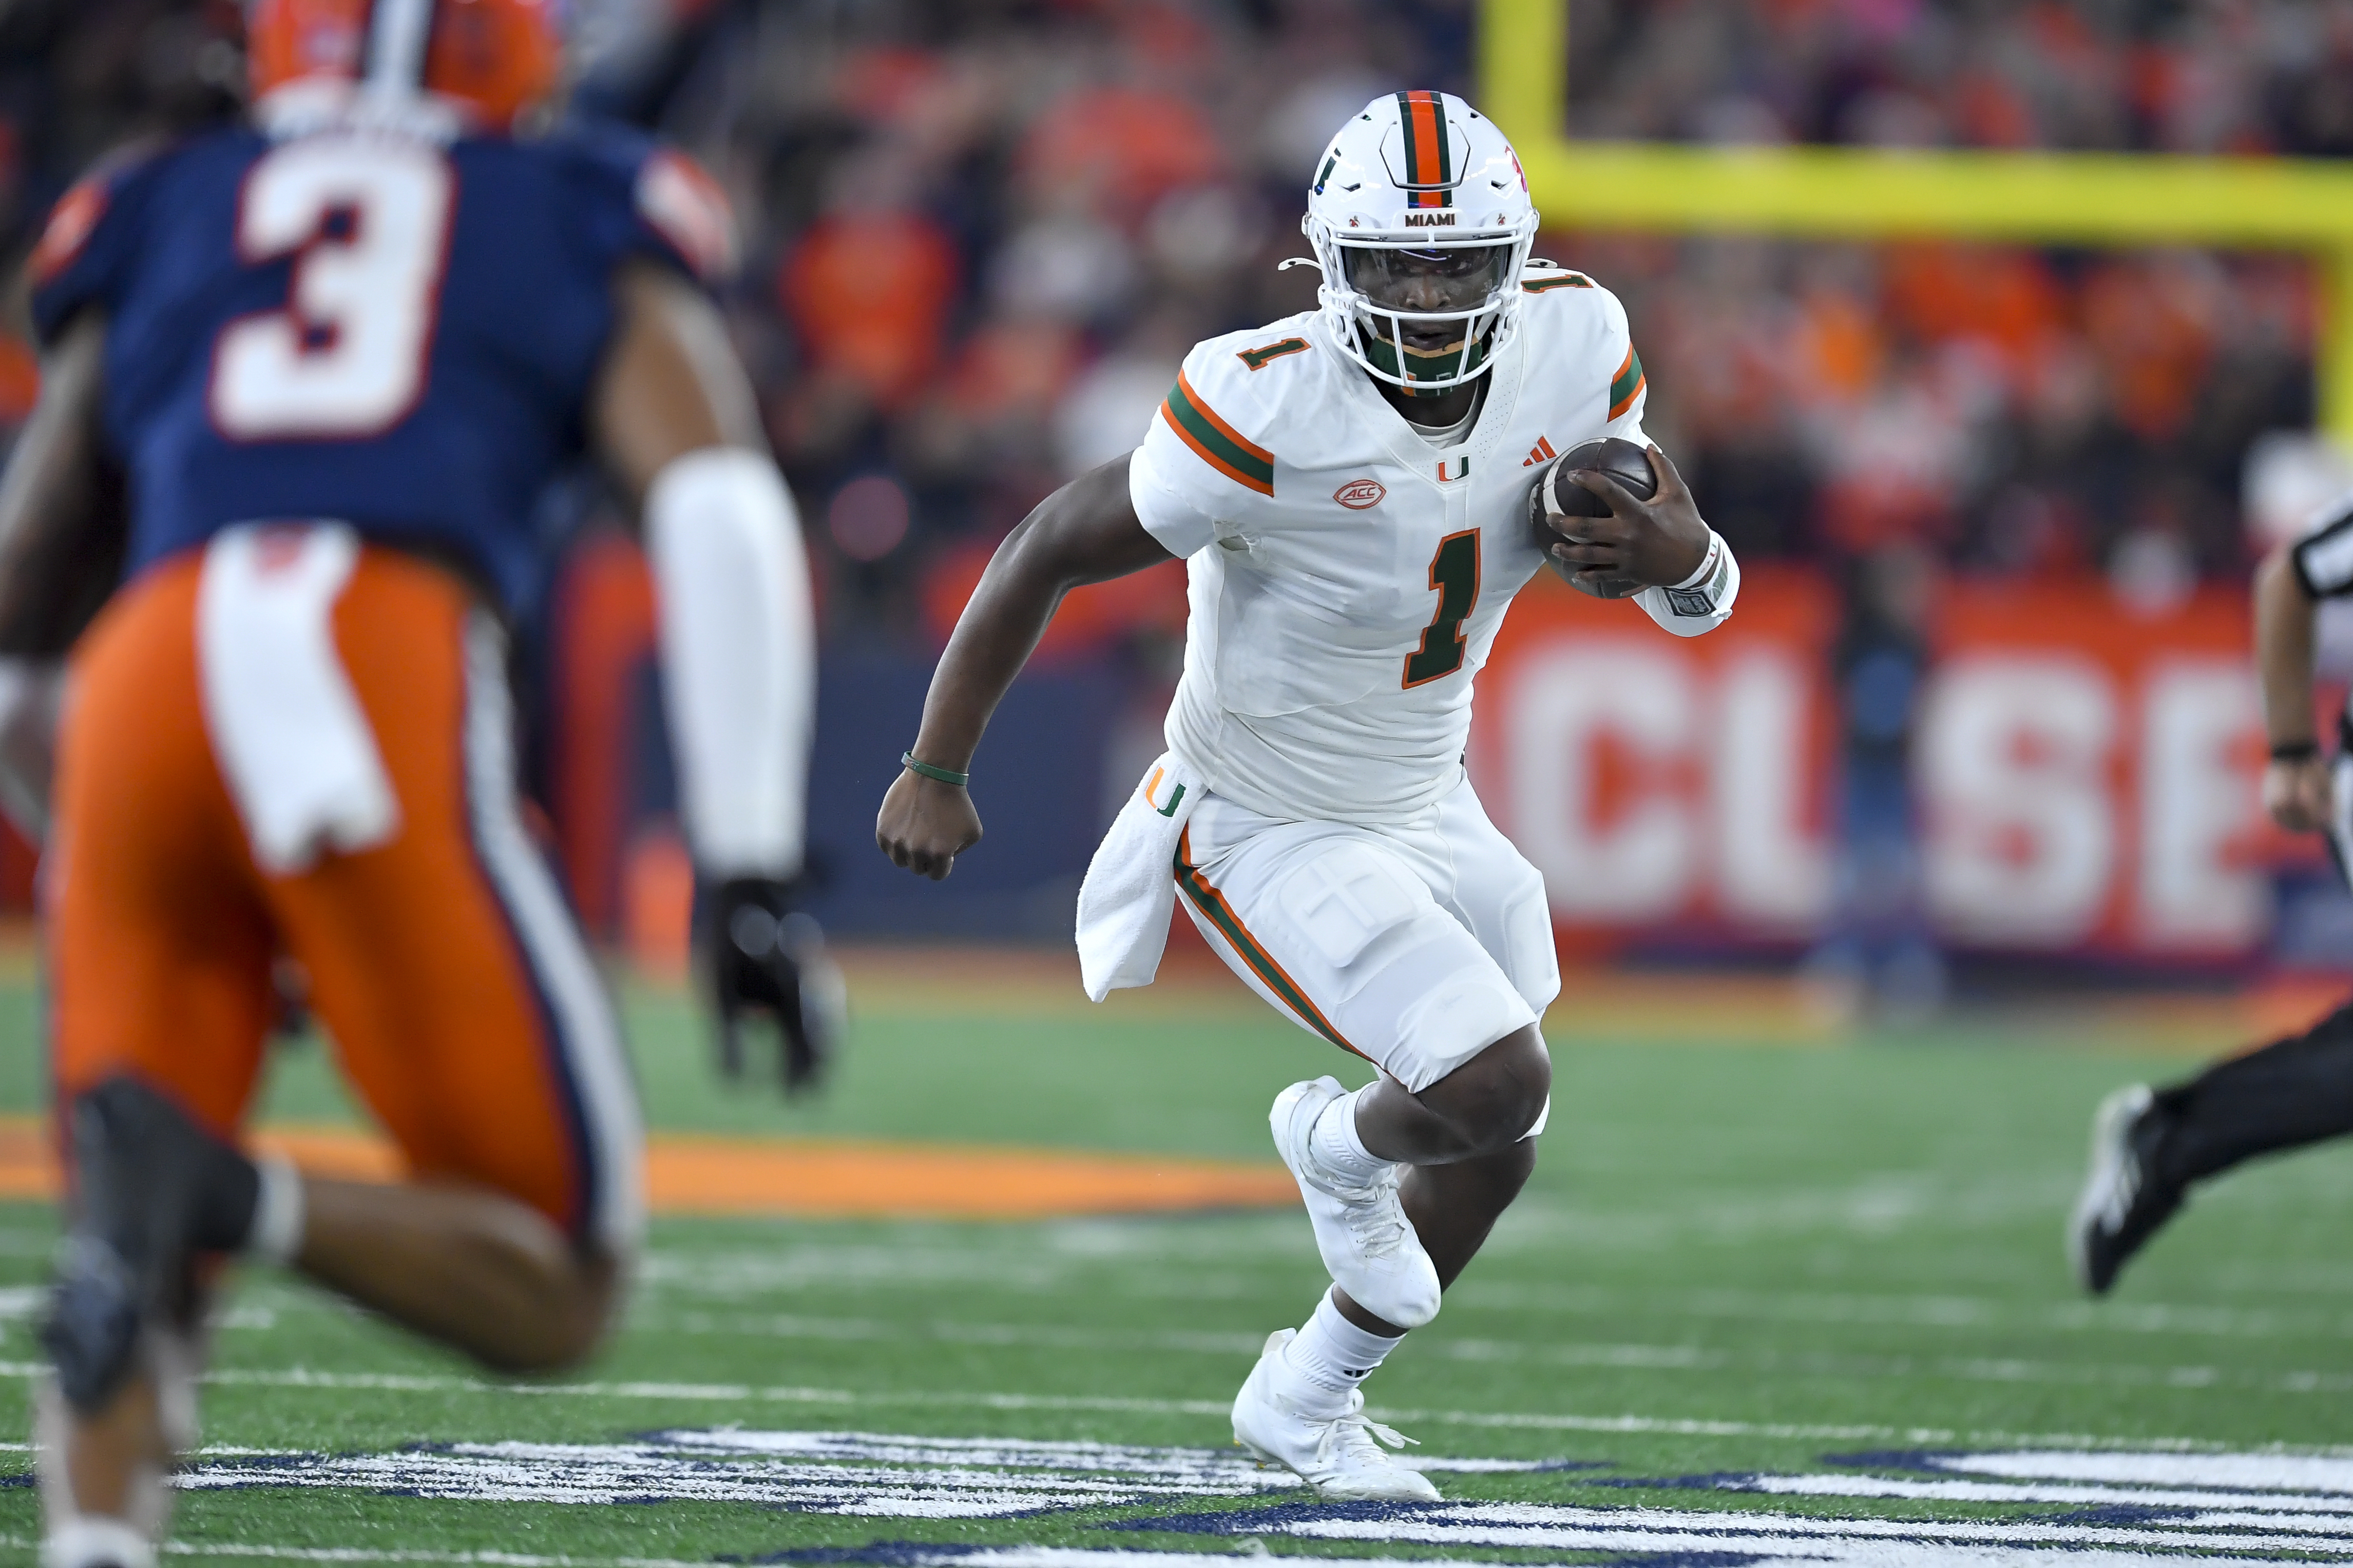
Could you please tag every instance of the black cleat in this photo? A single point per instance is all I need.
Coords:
(2124, 1199)
(151, 1189)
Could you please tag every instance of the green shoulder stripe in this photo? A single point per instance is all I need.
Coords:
(1629, 377)
(1217, 442)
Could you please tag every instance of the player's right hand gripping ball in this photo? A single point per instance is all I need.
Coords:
(1557, 501)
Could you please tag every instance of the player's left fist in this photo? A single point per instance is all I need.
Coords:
(1646, 541)
(2296, 793)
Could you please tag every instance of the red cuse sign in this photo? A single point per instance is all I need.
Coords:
(2086, 777)
(1358, 494)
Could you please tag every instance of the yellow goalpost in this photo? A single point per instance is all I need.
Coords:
(1838, 192)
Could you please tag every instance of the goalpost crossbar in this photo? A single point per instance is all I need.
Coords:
(2108, 199)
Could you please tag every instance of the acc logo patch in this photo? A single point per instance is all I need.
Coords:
(1358, 494)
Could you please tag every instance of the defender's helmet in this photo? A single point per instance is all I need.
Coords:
(495, 57)
(1421, 223)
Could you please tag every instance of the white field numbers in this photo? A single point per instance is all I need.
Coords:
(365, 222)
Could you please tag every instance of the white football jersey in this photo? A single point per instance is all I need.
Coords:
(1346, 577)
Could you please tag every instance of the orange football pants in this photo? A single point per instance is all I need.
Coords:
(445, 964)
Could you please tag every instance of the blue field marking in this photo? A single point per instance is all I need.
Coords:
(1281, 1519)
(1707, 1481)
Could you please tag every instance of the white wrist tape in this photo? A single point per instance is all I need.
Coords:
(1701, 601)
(739, 656)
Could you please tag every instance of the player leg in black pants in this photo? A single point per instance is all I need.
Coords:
(2149, 1145)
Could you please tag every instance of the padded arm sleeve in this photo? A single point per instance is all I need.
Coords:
(1701, 601)
(739, 658)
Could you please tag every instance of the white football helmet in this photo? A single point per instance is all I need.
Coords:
(1421, 223)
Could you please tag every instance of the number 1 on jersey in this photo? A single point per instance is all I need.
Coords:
(1454, 572)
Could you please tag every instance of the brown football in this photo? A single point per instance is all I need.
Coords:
(1622, 460)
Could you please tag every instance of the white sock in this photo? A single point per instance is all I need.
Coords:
(278, 1211)
(1339, 1149)
(89, 1541)
(1329, 1357)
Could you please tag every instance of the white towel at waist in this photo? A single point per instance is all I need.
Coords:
(293, 744)
(1130, 892)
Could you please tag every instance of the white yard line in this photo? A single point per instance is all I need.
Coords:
(1616, 1357)
(678, 1280)
(1960, 1314)
(1621, 1356)
(1870, 1486)
(1678, 1426)
(1540, 1526)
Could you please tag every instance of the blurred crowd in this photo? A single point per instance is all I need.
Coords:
(2169, 76)
(981, 233)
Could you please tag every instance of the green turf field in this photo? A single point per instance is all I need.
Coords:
(1734, 1262)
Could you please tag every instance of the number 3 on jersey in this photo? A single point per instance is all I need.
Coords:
(1454, 572)
(365, 223)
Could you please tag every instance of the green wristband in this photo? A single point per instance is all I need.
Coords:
(945, 776)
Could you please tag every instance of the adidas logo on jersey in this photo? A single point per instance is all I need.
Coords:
(1541, 452)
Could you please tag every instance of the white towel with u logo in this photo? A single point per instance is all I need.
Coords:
(1130, 893)
(294, 746)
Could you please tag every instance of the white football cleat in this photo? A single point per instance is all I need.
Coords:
(1337, 1456)
(1367, 1242)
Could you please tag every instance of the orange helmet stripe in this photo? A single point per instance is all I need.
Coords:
(1426, 158)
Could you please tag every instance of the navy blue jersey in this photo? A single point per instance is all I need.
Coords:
(377, 328)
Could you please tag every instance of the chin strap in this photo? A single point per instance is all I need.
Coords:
(1387, 357)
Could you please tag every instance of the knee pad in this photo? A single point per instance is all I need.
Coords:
(1461, 1017)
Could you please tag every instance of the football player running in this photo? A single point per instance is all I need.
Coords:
(339, 351)
(2151, 1146)
(1350, 489)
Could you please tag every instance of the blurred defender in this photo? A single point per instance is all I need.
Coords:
(1351, 489)
(2149, 1146)
(337, 354)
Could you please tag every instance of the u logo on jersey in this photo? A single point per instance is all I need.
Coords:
(1452, 468)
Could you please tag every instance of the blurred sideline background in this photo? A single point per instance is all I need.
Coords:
(1985, 721)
